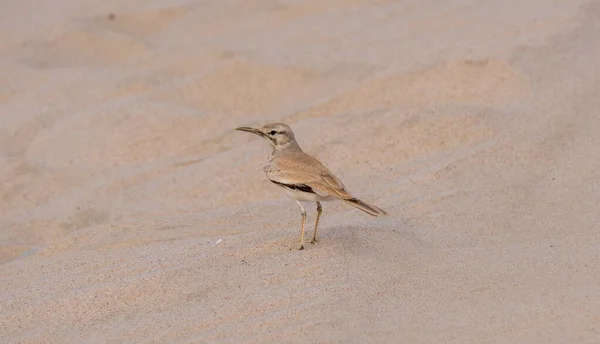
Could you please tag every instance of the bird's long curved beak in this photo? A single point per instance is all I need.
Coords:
(251, 130)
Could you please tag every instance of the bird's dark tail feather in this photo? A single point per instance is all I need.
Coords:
(367, 208)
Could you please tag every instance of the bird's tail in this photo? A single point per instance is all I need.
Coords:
(366, 207)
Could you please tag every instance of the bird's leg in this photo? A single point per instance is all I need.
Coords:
(319, 211)
(303, 222)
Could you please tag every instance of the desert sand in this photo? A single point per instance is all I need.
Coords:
(475, 124)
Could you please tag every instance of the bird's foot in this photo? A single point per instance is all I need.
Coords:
(301, 248)
(313, 241)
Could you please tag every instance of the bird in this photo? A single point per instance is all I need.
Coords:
(303, 177)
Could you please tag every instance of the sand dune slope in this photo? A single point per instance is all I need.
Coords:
(132, 212)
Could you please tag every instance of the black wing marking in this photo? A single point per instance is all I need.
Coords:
(299, 187)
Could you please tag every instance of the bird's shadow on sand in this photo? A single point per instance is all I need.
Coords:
(387, 233)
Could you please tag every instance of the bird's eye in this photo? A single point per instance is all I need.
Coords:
(272, 132)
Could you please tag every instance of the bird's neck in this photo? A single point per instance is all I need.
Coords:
(288, 147)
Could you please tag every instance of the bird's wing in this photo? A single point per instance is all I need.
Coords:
(301, 169)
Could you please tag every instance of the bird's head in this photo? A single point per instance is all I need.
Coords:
(279, 135)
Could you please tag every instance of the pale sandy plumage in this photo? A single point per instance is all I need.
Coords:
(301, 176)
(293, 168)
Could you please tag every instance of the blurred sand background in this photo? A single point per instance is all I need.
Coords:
(474, 123)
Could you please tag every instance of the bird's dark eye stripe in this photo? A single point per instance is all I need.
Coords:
(272, 132)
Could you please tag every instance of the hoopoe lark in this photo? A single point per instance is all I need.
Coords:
(303, 177)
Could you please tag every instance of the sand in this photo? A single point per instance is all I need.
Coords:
(473, 123)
